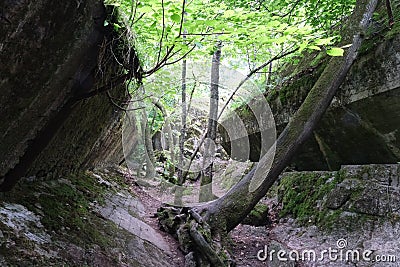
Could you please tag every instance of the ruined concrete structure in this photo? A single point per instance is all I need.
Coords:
(362, 124)
(51, 54)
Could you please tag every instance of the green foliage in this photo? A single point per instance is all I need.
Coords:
(251, 32)
(335, 52)
(156, 120)
(256, 30)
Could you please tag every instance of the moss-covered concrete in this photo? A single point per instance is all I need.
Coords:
(343, 199)
(258, 216)
(299, 194)
(60, 223)
(361, 125)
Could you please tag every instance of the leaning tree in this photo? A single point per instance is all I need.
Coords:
(202, 229)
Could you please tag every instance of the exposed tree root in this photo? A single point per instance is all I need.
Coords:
(195, 237)
(203, 246)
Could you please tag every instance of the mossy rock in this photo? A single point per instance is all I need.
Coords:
(302, 193)
(258, 216)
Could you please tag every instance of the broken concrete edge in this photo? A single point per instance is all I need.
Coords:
(90, 211)
(324, 199)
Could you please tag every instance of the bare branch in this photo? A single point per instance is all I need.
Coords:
(390, 13)
(141, 16)
(162, 33)
(289, 12)
(191, 96)
(204, 34)
(133, 11)
(182, 57)
(182, 18)
(160, 63)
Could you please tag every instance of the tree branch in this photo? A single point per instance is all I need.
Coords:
(182, 18)
(159, 64)
(162, 32)
(205, 34)
(390, 13)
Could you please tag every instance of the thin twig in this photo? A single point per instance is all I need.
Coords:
(133, 12)
(390, 13)
(182, 18)
(289, 12)
(182, 57)
(191, 95)
(141, 16)
(162, 32)
(204, 34)
(160, 63)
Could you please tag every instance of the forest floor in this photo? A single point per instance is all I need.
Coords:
(103, 218)
(150, 210)
(246, 240)
(249, 243)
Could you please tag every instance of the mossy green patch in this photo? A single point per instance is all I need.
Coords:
(67, 211)
(299, 194)
(304, 197)
(66, 206)
(259, 210)
(258, 215)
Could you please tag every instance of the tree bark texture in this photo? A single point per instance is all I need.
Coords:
(206, 179)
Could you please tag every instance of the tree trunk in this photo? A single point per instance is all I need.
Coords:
(206, 179)
(168, 130)
(182, 138)
(182, 134)
(150, 159)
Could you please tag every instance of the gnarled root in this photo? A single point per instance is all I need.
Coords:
(194, 236)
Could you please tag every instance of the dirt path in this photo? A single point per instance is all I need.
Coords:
(148, 216)
(247, 240)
